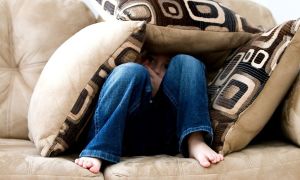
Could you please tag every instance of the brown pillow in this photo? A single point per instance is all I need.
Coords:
(63, 98)
(188, 14)
(291, 114)
(248, 89)
(195, 27)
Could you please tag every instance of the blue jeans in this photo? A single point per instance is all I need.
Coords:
(128, 121)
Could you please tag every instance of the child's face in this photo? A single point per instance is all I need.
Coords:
(158, 63)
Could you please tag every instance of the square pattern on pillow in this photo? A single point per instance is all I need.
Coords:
(188, 14)
(82, 109)
(248, 89)
(197, 27)
(65, 95)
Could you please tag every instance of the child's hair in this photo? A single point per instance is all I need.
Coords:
(144, 54)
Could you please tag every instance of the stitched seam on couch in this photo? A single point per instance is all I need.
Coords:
(231, 171)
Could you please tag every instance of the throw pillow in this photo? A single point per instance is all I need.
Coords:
(248, 89)
(188, 14)
(63, 98)
(291, 114)
(180, 26)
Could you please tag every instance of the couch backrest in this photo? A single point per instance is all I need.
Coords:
(256, 14)
(30, 31)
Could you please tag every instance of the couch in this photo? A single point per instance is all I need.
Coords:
(31, 30)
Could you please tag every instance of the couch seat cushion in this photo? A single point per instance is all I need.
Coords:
(19, 159)
(270, 160)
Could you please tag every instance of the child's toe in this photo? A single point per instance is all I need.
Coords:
(204, 162)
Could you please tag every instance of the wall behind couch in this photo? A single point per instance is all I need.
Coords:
(282, 10)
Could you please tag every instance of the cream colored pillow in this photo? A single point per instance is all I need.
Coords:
(249, 88)
(63, 98)
(291, 114)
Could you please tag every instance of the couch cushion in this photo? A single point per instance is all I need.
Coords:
(291, 113)
(270, 160)
(19, 159)
(30, 31)
(249, 88)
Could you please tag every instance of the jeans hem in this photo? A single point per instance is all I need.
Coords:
(208, 138)
(100, 155)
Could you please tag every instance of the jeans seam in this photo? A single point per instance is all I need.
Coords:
(147, 89)
(95, 116)
(167, 93)
(136, 105)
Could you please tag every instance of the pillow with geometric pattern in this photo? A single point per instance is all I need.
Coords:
(188, 14)
(65, 94)
(183, 26)
(248, 89)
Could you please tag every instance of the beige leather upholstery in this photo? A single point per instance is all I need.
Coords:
(19, 159)
(272, 160)
(30, 31)
(269, 160)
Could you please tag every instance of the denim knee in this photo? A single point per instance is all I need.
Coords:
(187, 62)
(130, 71)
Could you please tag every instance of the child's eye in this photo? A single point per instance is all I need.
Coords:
(166, 66)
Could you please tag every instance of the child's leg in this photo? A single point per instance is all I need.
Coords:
(185, 85)
(122, 93)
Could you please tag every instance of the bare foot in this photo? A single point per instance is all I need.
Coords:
(200, 151)
(92, 164)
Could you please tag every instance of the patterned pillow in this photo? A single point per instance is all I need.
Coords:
(197, 27)
(66, 91)
(291, 114)
(188, 14)
(248, 89)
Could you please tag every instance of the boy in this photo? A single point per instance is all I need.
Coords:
(158, 108)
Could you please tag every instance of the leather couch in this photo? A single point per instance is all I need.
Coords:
(31, 30)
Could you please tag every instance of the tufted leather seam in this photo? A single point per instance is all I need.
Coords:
(31, 65)
(40, 176)
(8, 69)
(6, 123)
(12, 67)
(9, 111)
(10, 34)
(206, 174)
(12, 79)
(12, 46)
